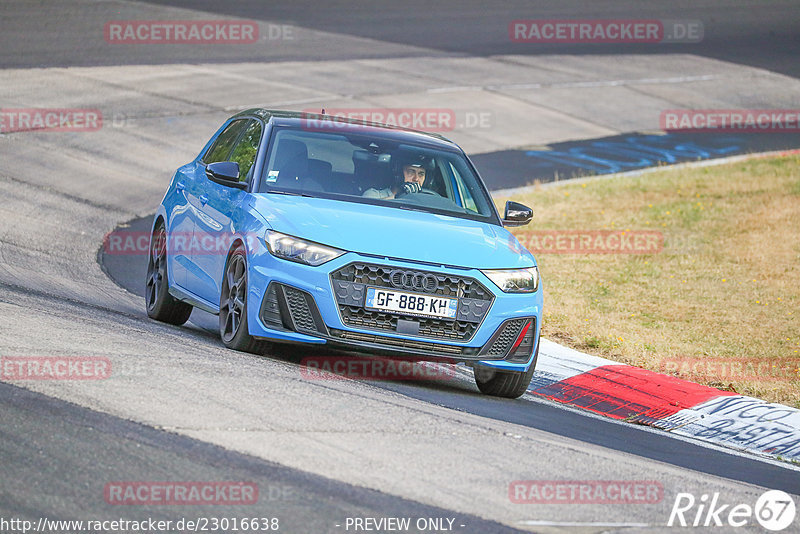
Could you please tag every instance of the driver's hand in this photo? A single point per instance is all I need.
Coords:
(411, 187)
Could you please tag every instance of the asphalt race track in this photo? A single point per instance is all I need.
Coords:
(127, 450)
(179, 407)
(506, 169)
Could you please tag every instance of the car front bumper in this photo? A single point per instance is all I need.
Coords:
(297, 303)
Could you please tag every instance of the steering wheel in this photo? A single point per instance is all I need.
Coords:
(420, 192)
(429, 192)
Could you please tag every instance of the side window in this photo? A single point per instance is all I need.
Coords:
(221, 148)
(244, 153)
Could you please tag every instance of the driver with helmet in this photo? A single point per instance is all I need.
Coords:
(411, 177)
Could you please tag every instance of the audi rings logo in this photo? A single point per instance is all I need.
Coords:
(412, 280)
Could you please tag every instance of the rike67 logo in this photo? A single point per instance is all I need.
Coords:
(774, 510)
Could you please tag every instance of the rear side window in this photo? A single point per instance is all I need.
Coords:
(244, 153)
(222, 147)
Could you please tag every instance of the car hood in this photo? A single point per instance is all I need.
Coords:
(393, 232)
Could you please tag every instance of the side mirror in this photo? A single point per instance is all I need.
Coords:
(225, 173)
(517, 214)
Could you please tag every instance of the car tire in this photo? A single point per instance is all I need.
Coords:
(233, 326)
(508, 384)
(162, 306)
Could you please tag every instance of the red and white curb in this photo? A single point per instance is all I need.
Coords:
(677, 406)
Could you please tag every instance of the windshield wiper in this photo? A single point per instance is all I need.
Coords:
(292, 193)
(408, 207)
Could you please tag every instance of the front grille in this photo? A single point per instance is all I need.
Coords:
(381, 276)
(350, 284)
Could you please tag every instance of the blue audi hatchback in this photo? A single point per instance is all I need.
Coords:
(310, 229)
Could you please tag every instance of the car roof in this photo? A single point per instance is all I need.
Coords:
(297, 119)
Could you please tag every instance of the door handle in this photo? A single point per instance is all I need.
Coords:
(203, 199)
(180, 187)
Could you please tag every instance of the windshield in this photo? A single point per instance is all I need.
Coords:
(366, 167)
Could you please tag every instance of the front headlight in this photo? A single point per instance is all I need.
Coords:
(299, 250)
(515, 280)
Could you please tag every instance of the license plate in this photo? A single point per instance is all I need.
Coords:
(411, 303)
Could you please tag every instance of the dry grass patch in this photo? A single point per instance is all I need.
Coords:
(718, 305)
